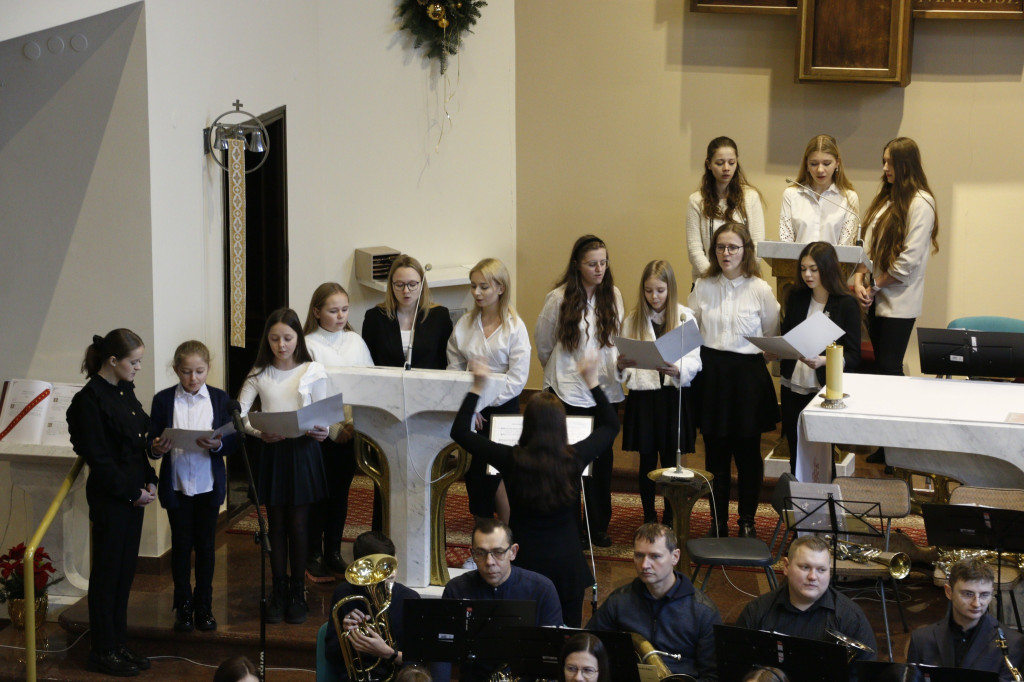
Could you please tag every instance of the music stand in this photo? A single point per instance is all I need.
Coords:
(460, 630)
(538, 651)
(832, 516)
(875, 671)
(989, 528)
(737, 650)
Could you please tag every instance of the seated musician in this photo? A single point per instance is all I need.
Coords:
(662, 606)
(966, 637)
(496, 578)
(371, 644)
(805, 606)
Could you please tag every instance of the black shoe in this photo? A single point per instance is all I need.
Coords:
(297, 610)
(316, 571)
(335, 563)
(601, 540)
(747, 529)
(889, 471)
(183, 621)
(109, 663)
(205, 620)
(278, 601)
(141, 662)
(876, 457)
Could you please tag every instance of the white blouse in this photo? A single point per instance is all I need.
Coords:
(807, 218)
(338, 349)
(905, 299)
(729, 309)
(282, 390)
(699, 229)
(193, 466)
(506, 350)
(559, 365)
(651, 379)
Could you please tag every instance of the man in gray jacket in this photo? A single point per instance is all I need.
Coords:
(662, 606)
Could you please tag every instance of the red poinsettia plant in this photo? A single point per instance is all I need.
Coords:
(12, 573)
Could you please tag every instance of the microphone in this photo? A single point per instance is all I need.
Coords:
(236, 416)
(820, 196)
(412, 330)
(680, 472)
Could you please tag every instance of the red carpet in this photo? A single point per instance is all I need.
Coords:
(626, 517)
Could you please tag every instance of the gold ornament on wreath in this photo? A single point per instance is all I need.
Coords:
(439, 25)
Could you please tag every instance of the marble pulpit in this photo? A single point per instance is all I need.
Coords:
(408, 413)
(962, 429)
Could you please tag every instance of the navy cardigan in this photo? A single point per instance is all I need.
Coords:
(162, 415)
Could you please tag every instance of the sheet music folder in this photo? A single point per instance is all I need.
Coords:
(961, 525)
(876, 671)
(829, 515)
(456, 630)
(803, 660)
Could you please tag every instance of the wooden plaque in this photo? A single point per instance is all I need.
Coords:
(969, 9)
(745, 6)
(866, 41)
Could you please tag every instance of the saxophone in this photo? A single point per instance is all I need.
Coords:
(376, 573)
(1001, 643)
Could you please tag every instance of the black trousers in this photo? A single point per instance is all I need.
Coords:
(598, 486)
(481, 486)
(193, 527)
(327, 517)
(889, 337)
(719, 453)
(116, 533)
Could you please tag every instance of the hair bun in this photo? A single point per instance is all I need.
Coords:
(97, 340)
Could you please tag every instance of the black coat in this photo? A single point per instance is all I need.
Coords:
(843, 310)
(429, 340)
(934, 645)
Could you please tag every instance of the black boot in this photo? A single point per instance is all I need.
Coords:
(315, 569)
(336, 563)
(297, 609)
(278, 602)
(183, 621)
(747, 528)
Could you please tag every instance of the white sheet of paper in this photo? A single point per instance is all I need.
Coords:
(506, 428)
(665, 351)
(184, 438)
(294, 424)
(806, 340)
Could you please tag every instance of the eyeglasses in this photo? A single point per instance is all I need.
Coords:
(407, 286)
(480, 554)
(727, 248)
(587, 672)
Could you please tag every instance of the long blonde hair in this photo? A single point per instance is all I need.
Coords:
(635, 326)
(496, 274)
(317, 301)
(390, 304)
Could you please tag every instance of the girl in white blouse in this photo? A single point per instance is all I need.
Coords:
(735, 392)
(494, 334)
(291, 470)
(826, 208)
(724, 196)
(659, 398)
(332, 342)
(583, 313)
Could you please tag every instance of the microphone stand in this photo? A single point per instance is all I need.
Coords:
(680, 472)
(412, 330)
(825, 198)
(261, 538)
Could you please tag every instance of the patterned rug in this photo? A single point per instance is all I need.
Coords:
(627, 515)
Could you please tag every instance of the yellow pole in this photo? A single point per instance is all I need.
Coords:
(30, 568)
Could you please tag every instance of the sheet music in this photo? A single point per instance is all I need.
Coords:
(806, 340)
(185, 438)
(294, 424)
(506, 429)
(665, 351)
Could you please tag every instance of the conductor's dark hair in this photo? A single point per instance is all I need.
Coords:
(234, 669)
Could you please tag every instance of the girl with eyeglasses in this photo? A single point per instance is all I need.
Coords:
(584, 659)
(724, 196)
(734, 390)
(407, 315)
(582, 314)
(542, 477)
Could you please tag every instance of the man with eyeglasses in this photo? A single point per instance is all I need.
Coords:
(496, 578)
(966, 637)
(662, 606)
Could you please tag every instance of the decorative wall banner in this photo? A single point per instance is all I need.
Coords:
(923, 9)
(236, 241)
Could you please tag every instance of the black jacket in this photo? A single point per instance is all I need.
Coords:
(843, 310)
(429, 340)
(933, 645)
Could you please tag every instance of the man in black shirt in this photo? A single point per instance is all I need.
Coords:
(805, 606)
(966, 637)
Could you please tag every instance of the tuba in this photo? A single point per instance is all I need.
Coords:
(650, 657)
(898, 563)
(376, 573)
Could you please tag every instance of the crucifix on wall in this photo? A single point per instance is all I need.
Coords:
(863, 41)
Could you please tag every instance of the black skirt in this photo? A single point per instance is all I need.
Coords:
(735, 394)
(651, 421)
(292, 472)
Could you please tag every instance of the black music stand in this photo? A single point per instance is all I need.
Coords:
(461, 630)
(875, 671)
(988, 528)
(538, 652)
(737, 650)
(831, 516)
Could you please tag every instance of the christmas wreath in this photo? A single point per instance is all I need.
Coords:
(439, 25)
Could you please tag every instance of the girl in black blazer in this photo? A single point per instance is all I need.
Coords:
(819, 288)
(388, 326)
(193, 482)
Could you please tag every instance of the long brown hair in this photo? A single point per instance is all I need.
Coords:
(575, 301)
(889, 235)
(635, 326)
(317, 301)
(824, 256)
(825, 144)
(546, 469)
(265, 354)
(733, 193)
(118, 343)
(748, 266)
(390, 304)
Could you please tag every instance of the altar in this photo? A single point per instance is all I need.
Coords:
(970, 431)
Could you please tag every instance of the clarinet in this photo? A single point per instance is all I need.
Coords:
(1001, 643)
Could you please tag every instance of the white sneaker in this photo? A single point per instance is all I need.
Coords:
(469, 564)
